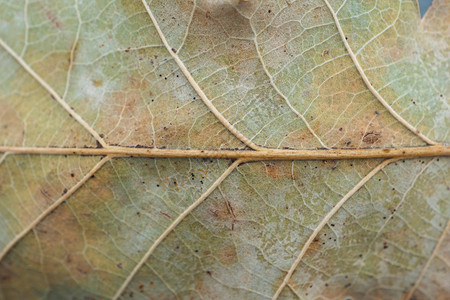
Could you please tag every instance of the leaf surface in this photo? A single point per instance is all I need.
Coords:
(103, 193)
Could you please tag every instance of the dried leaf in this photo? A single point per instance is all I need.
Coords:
(224, 149)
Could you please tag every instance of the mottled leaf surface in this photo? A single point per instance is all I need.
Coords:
(221, 75)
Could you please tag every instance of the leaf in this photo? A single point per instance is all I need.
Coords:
(224, 149)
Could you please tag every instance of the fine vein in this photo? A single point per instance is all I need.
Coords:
(174, 224)
(282, 95)
(370, 86)
(196, 87)
(428, 263)
(325, 221)
(3, 157)
(53, 207)
(266, 154)
(53, 93)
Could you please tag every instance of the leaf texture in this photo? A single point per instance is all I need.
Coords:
(103, 104)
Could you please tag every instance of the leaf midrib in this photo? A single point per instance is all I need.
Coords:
(266, 154)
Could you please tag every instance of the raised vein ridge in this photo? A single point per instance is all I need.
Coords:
(53, 93)
(196, 87)
(52, 207)
(324, 221)
(174, 224)
(370, 86)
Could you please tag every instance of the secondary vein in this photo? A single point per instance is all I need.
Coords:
(325, 221)
(370, 86)
(428, 263)
(52, 207)
(174, 224)
(195, 85)
(53, 93)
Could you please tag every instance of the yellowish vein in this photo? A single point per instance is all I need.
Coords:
(195, 85)
(52, 92)
(428, 263)
(325, 221)
(370, 86)
(52, 207)
(174, 224)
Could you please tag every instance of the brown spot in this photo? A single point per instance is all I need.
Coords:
(5, 274)
(213, 212)
(273, 171)
(280, 170)
(227, 255)
(316, 244)
(45, 193)
(231, 212)
(165, 214)
(51, 16)
(371, 137)
(97, 82)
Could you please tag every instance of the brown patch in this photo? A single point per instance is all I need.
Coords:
(231, 212)
(272, 171)
(5, 274)
(227, 255)
(127, 110)
(280, 170)
(165, 214)
(316, 245)
(97, 83)
(371, 137)
(52, 17)
(225, 213)
(100, 188)
(396, 235)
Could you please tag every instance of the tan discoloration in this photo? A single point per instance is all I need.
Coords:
(371, 137)
(227, 255)
(53, 18)
(281, 170)
(272, 171)
(97, 82)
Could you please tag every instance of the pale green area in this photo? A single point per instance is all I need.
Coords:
(29, 184)
(92, 242)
